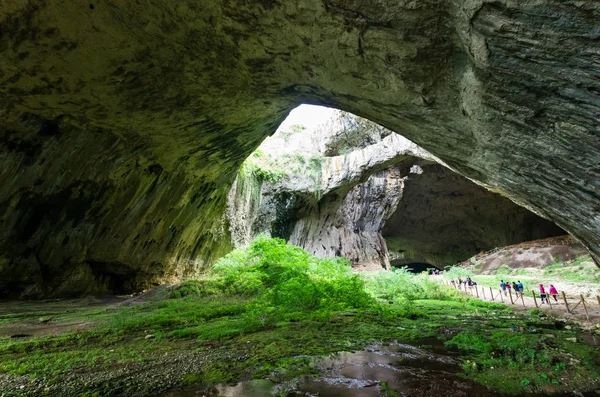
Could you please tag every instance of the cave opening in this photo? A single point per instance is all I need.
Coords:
(416, 267)
(337, 184)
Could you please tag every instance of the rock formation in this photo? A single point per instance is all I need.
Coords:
(122, 124)
(330, 206)
(426, 212)
(537, 254)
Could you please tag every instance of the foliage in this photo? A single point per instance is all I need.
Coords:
(402, 285)
(580, 269)
(455, 272)
(314, 168)
(270, 310)
(288, 282)
(292, 130)
(261, 167)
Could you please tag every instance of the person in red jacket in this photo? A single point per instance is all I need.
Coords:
(553, 292)
(543, 295)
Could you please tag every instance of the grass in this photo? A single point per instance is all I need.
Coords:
(581, 269)
(270, 309)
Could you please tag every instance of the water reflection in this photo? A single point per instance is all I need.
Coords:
(404, 369)
(382, 370)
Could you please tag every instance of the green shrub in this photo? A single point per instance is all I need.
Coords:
(288, 281)
(402, 285)
(455, 272)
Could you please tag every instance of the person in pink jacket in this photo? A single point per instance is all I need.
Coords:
(543, 295)
(553, 292)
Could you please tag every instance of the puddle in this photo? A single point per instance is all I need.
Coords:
(254, 388)
(408, 370)
(427, 370)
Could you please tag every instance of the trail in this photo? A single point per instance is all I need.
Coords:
(576, 310)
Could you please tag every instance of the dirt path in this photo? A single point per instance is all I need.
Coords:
(37, 318)
(589, 290)
(576, 310)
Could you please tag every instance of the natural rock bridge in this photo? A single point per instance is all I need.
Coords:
(122, 125)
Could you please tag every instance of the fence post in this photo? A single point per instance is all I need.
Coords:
(522, 300)
(534, 300)
(483, 290)
(566, 303)
(492, 293)
(501, 297)
(510, 295)
(585, 308)
(477, 291)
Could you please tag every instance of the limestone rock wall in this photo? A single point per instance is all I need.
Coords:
(414, 211)
(330, 206)
(506, 93)
(350, 226)
(118, 222)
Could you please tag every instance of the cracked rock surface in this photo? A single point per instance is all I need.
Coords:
(122, 124)
(412, 211)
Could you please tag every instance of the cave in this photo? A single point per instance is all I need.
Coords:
(377, 198)
(415, 267)
(122, 126)
(444, 219)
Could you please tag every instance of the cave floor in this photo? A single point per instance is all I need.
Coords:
(142, 347)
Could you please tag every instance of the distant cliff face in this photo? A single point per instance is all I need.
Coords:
(122, 124)
(345, 205)
(350, 225)
(330, 206)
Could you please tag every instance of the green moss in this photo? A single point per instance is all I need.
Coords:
(270, 310)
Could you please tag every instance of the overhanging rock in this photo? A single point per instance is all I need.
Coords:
(123, 124)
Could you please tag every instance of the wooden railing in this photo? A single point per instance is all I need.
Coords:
(569, 304)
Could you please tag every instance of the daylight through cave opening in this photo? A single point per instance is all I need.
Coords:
(340, 185)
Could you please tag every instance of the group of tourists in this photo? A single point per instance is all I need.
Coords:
(517, 287)
(467, 281)
(551, 291)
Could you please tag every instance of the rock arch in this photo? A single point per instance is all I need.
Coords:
(122, 124)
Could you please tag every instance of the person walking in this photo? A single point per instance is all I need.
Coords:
(503, 286)
(553, 292)
(543, 295)
(516, 289)
(521, 287)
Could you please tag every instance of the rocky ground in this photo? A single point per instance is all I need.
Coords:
(100, 361)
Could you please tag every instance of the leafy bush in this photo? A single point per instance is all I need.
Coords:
(402, 285)
(187, 288)
(288, 281)
(455, 272)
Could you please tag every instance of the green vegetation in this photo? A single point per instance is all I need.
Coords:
(581, 269)
(293, 129)
(262, 167)
(314, 168)
(266, 310)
